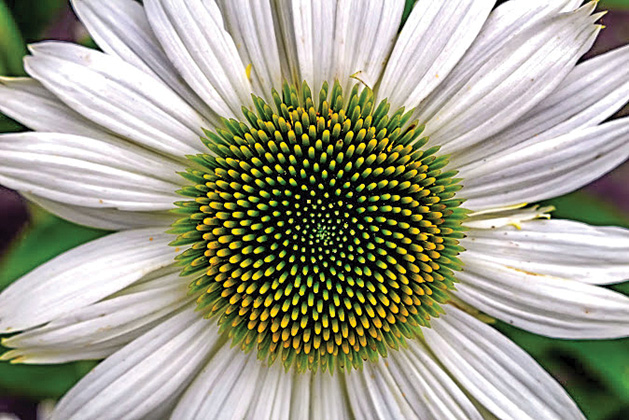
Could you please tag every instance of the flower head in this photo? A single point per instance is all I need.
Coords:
(343, 196)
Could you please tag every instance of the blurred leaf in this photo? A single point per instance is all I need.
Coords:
(613, 4)
(7, 125)
(585, 207)
(33, 16)
(41, 382)
(45, 237)
(12, 47)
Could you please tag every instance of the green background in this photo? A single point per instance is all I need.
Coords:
(595, 373)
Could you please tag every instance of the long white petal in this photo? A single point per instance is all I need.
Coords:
(408, 384)
(504, 23)
(591, 93)
(543, 304)
(251, 25)
(495, 371)
(144, 375)
(235, 385)
(348, 41)
(109, 324)
(27, 101)
(561, 248)
(194, 37)
(224, 388)
(364, 37)
(87, 172)
(82, 276)
(432, 41)
(118, 96)
(501, 86)
(120, 28)
(514, 215)
(538, 170)
(274, 395)
(106, 219)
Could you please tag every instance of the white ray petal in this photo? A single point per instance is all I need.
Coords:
(561, 248)
(194, 37)
(142, 376)
(432, 41)
(82, 276)
(495, 371)
(107, 218)
(543, 304)
(118, 96)
(87, 172)
(273, 400)
(109, 324)
(235, 385)
(251, 25)
(414, 382)
(502, 85)
(224, 388)
(27, 101)
(121, 28)
(349, 41)
(591, 93)
(506, 216)
(364, 37)
(538, 170)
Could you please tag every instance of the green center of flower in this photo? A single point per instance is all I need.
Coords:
(320, 231)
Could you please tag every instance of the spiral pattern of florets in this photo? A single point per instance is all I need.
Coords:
(320, 232)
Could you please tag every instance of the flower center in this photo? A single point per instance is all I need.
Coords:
(320, 231)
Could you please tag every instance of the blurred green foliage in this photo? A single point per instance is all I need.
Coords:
(595, 373)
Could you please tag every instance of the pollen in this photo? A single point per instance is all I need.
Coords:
(320, 230)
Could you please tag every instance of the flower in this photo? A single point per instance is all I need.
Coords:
(351, 217)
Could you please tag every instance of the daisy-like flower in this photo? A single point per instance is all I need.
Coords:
(348, 206)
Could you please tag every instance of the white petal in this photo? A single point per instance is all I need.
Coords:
(82, 276)
(411, 380)
(562, 248)
(327, 397)
(364, 37)
(341, 40)
(432, 41)
(87, 172)
(506, 21)
(591, 93)
(142, 376)
(225, 388)
(283, 21)
(495, 371)
(499, 87)
(28, 102)
(108, 324)
(274, 395)
(46, 356)
(314, 29)
(250, 24)
(118, 96)
(107, 219)
(121, 28)
(235, 385)
(193, 35)
(538, 170)
(506, 216)
(543, 304)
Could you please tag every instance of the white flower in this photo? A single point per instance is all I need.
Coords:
(499, 90)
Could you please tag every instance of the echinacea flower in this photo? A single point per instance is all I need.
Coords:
(344, 200)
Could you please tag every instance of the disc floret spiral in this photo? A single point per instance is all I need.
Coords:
(320, 232)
